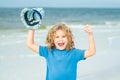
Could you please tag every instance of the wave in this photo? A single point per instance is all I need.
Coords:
(10, 18)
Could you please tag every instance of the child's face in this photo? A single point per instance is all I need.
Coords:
(60, 40)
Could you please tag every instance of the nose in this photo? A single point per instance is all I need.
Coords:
(60, 38)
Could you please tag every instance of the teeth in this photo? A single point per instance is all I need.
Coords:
(60, 44)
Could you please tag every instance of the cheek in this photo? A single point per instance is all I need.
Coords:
(65, 39)
(55, 40)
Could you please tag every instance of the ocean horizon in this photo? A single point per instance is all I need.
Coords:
(10, 17)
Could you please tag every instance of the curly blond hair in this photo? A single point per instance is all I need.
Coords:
(51, 35)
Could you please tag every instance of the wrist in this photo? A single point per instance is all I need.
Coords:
(90, 35)
(32, 30)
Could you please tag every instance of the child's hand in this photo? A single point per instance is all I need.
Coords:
(88, 29)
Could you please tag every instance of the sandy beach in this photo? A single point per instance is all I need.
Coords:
(17, 62)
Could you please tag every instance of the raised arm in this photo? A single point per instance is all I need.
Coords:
(92, 49)
(30, 41)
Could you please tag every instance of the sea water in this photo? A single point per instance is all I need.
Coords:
(17, 62)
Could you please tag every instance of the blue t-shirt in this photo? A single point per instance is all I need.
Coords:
(61, 64)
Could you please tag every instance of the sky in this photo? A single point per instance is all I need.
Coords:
(61, 3)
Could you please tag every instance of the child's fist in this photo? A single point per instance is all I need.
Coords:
(88, 29)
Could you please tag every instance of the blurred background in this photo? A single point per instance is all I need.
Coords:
(17, 62)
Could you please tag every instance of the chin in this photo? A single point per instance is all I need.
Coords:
(61, 48)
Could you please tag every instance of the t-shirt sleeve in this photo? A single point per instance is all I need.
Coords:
(80, 54)
(43, 51)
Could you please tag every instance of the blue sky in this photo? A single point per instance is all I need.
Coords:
(60, 3)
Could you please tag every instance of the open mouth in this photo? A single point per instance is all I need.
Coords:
(61, 44)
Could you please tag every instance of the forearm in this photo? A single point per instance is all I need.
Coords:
(92, 48)
(30, 41)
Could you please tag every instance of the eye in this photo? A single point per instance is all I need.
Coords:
(63, 36)
(57, 37)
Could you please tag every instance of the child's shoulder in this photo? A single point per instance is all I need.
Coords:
(41, 47)
(77, 50)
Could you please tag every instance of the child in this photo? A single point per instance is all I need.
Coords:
(60, 54)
